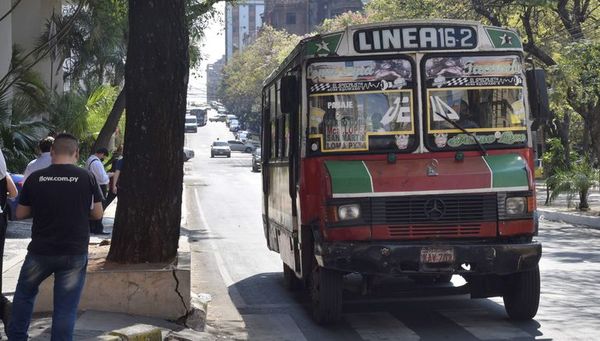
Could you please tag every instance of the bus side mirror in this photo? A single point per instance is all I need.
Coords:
(538, 94)
(289, 95)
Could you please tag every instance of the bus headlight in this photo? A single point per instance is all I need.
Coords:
(349, 212)
(516, 205)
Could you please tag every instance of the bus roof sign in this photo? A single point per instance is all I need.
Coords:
(411, 38)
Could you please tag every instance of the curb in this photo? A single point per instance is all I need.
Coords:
(593, 222)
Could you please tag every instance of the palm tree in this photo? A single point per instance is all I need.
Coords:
(22, 101)
(578, 180)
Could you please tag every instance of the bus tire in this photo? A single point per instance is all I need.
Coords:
(326, 295)
(289, 278)
(522, 294)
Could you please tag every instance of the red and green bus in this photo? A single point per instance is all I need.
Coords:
(405, 149)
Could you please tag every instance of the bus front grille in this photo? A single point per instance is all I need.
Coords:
(432, 211)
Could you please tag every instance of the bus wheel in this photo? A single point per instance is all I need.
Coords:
(522, 294)
(326, 294)
(289, 278)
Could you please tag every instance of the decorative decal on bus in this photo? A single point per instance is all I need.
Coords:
(350, 101)
(504, 39)
(325, 46)
(474, 71)
(410, 38)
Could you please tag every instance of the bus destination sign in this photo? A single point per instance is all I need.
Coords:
(410, 38)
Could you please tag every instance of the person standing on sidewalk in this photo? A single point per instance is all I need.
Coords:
(43, 160)
(96, 167)
(61, 198)
(7, 190)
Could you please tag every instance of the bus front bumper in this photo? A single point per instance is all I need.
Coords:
(392, 258)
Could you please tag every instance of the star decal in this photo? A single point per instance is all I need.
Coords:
(505, 39)
(323, 45)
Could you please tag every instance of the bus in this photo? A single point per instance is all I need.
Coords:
(200, 116)
(405, 149)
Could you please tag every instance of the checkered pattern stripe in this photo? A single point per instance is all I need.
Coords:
(457, 81)
(320, 87)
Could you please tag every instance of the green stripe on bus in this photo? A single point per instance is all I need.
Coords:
(349, 177)
(508, 170)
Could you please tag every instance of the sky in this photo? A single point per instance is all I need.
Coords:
(213, 48)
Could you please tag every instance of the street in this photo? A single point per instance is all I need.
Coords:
(230, 261)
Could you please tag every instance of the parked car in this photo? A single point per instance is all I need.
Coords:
(187, 154)
(234, 126)
(191, 124)
(239, 146)
(218, 118)
(12, 203)
(256, 161)
(220, 148)
(229, 118)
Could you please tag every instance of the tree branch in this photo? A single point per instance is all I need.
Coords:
(530, 46)
(481, 9)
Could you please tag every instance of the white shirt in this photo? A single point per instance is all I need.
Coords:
(45, 160)
(97, 168)
(2, 166)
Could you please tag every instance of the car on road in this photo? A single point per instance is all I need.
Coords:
(187, 154)
(220, 148)
(218, 118)
(239, 146)
(12, 203)
(234, 126)
(256, 163)
(191, 124)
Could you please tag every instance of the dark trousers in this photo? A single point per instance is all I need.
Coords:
(111, 196)
(96, 226)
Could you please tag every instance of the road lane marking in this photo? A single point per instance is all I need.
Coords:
(275, 327)
(484, 325)
(235, 295)
(379, 327)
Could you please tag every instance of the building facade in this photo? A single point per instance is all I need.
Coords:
(301, 17)
(214, 74)
(22, 27)
(242, 23)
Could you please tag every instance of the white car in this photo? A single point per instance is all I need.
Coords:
(220, 148)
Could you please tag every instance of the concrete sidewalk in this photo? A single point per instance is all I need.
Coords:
(91, 325)
(560, 209)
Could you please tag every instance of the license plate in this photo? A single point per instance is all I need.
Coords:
(437, 255)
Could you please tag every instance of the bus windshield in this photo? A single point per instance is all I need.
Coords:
(483, 94)
(361, 105)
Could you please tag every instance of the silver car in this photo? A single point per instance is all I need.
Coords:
(220, 148)
(239, 146)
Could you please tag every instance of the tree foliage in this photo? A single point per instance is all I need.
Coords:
(243, 76)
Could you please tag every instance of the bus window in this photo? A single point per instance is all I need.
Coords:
(483, 94)
(361, 105)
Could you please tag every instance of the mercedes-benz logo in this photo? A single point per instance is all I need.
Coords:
(434, 209)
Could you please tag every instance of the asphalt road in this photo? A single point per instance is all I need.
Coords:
(231, 262)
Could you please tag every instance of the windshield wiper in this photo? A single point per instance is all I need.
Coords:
(459, 127)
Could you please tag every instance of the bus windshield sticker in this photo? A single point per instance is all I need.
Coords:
(360, 75)
(474, 71)
(411, 38)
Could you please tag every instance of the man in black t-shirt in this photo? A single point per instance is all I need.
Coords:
(61, 199)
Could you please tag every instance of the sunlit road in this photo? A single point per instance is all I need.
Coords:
(231, 262)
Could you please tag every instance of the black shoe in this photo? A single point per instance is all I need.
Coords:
(101, 232)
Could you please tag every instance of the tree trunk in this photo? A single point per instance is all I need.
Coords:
(583, 200)
(148, 215)
(111, 123)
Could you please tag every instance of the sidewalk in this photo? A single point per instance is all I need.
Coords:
(91, 325)
(559, 209)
